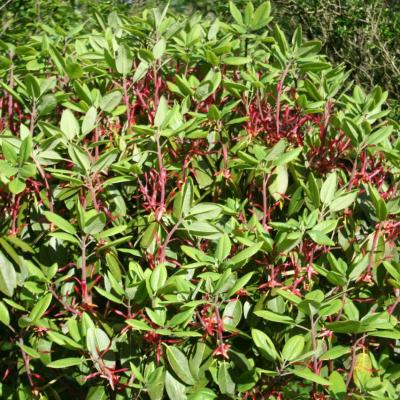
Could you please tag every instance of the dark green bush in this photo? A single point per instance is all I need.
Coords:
(192, 209)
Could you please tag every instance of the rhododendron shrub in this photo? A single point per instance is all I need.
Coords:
(194, 209)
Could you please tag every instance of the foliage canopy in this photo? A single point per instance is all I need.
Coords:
(194, 209)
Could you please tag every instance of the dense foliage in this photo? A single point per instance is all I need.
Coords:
(363, 34)
(194, 209)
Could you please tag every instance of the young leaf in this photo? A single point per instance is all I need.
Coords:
(237, 16)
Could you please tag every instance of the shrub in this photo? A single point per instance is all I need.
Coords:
(194, 210)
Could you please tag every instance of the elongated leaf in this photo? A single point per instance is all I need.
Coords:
(8, 276)
(245, 254)
(89, 121)
(180, 365)
(40, 307)
(65, 362)
(60, 222)
(69, 124)
(308, 375)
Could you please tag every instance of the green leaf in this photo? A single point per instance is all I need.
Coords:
(380, 135)
(225, 382)
(261, 16)
(240, 283)
(16, 186)
(320, 238)
(141, 71)
(8, 276)
(395, 334)
(25, 150)
(280, 183)
(281, 40)
(161, 113)
(65, 237)
(95, 224)
(308, 375)
(245, 254)
(223, 248)
(344, 200)
(236, 60)
(10, 90)
(183, 200)
(338, 386)
(335, 352)
(328, 188)
(139, 325)
(65, 362)
(96, 393)
(326, 226)
(57, 59)
(313, 65)
(293, 348)
(175, 389)
(159, 49)
(112, 231)
(287, 157)
(197, 255)
(69, 125)
(32, 86)
(40, 308)
(4, 314)
(232, 313)
(74, 70)
(105, 161)
(79, 157)
(265, 344)
(158, 277)
(155, 384)
(289, 296)
(108, 295)
(274, 317)
(204, 229)
(123, 61)
(237, 16)
(60, 222)
(89, 121)
(344, 326)
(9, 152)
(378, 202)
(110, 101)
(180, 365)
(97, 342)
